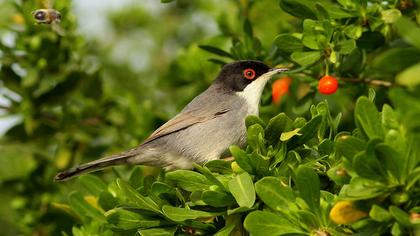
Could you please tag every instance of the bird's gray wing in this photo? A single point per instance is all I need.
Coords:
(183, 121)
(206, 106)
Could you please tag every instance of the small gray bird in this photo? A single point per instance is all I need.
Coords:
(204, 129)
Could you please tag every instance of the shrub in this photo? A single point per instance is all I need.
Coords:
(341, 164)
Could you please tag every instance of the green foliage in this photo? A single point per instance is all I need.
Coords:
(282, 196)
(313, 165)
(286, 196)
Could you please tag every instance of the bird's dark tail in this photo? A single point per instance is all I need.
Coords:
(118, 159)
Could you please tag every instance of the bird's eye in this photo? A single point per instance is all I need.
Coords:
(249, 74)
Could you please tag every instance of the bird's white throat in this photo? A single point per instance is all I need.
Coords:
(252, 93)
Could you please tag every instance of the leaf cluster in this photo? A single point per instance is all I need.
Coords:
(288, 180)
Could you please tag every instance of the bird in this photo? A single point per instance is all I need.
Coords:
(205, 127)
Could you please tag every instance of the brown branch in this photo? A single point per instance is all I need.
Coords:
(376, 82)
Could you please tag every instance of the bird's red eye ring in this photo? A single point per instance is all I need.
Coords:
(249, 74)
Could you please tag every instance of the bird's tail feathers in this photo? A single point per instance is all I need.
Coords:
(118, 159)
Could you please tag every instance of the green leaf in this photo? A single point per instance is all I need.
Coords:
(397, 59)
(321, 12)
(259, 163)
(276, 126)
(280, 155)
(308, 218)
(299, 122)
(396, 140)
(408, 30)
(326, 147)
(307, 8)
(248, 28)
(166, 1)
(107, 201)
(409, 77)
(226, 231)
(217, 61)
(338, 174)
(136, 177)
(93, 184)
(353, 31)
(217, 198)
(368, 118)
(407, 102)
(290, 134)
(157, 232)
(334, 10)
(216, 51)
(189, 180)
(181, 214)
(349, 146)
(306, 58)
(242, 158)
(413, 177)
(311, 41)
(83, 208)
(401, 216)
(253, 133)
(308, 131)
(242, 189)
(396, 229)
(362, 188)
(288, 43)
(308, 184)
(239, 210)
(264, 223)
(209, 175)
(297, 8)
(390, 16)
(390, 159)
(126, 219)
(219, 166)
(389, 117)
(164, 191)
(128, 194)
(252, 120)
(367, 165)
(347, 46)
(274, 194)
(379, 214)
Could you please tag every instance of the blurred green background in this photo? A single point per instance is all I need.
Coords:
(112, 71)
(98, 83)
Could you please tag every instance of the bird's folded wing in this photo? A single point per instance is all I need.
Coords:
(183, 121)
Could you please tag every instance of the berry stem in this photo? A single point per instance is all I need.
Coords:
(327, 67)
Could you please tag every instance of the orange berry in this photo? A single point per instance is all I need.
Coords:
(280, 87)
(327, 85)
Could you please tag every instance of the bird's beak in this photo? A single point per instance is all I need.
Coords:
(278, 70)
(274, 71)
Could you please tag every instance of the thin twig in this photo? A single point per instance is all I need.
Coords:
(376, 82)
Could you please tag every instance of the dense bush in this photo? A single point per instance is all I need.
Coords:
(342, 164)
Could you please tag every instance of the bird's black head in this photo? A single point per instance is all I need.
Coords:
(238, 75)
